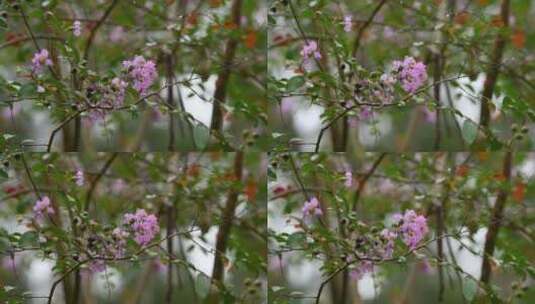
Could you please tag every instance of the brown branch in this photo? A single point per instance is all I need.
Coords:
(224, 231)
(15, 41)
(125, 258)
(224, 75)
(362, 29)
(362, 182)
(496, 220)
(171, 227)
(96, 27)
(97, 179)
(170, 100)
(494, 67)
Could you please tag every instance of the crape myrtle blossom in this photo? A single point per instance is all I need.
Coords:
(310, 49)
(412, 227)
(118, 88)
(42, 207)
(411, 73)
(105, 249)
(348, 23)
(388, 237)
(360, 269)
(110, 96)
(142, 72)
(312, 207)
(348, 179)
(79, 178)
(143, 225)
(117, 34)
(39, 60)
(409, 227)
(77, 28)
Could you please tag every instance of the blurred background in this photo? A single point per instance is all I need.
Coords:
(462, 32)
(193, 33)
(298, 264)
(195, 187)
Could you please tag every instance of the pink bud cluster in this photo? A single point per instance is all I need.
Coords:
(77, 28)
(310, 49)
(412, 227)
(348, 23)
(42, 207)
(411, 73)
(143, 225)
(142, 72)
(312, 207)
(39, 60)
(79, 178)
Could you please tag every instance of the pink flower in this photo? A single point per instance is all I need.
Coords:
(159, 266)
(77, 28)
(412, 227)
(118, 88)
(145, 226)
(142, 72)
(348, 23)
(410, 73)
(42, 207)
(361, 269)
(348, 182)
(97, 266)
(430, 116)
(6, 112)
(365, 113)
(39, 60)
(79, 178)
(119, 243)
(288, 106)
(116, 34)
(118, 185)
(312, 207)
(388, 249)
(309, 49)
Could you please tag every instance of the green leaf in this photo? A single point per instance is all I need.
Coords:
(3, 174)
(295, 83)
(469, 131)
(297, 239)
(470, 289)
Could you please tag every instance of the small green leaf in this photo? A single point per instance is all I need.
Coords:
(469, 131)
(295, 83)
(470, 289)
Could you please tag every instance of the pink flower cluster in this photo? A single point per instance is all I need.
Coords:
(79, 178)
(39, 60)
(104, 249)
(412, 227)
(77, 28)
(348, 179)
(112, 97)
(142, 72)
(312, 207)
(361, 269)
(119, 237)
(42, 207)
(310, 49)
(348, 23)
(409, 226)
(144, 226)
(118, 87)
(411, 73)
